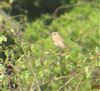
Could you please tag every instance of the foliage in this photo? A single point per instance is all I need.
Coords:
(32, 8)
(30, 60)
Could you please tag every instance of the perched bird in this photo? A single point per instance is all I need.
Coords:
(57, 39)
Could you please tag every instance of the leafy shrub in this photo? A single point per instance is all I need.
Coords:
(79, 29)
(37, 64)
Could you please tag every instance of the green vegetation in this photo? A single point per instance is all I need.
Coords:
(29, 60)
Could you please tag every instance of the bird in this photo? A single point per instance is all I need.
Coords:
(58, 40)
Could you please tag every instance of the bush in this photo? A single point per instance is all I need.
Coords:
(33, 62)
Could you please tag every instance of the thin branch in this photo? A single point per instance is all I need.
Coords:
(70, 80)
(78, 84)
(65, 7)
(71, 6)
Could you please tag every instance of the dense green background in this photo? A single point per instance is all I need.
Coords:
(28, 57)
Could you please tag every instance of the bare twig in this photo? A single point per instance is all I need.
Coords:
(71, 6)
(78, 84)
(70, 80)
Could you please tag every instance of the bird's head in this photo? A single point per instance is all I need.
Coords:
(54, 33)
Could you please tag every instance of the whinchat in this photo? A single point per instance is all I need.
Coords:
(58, 40)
